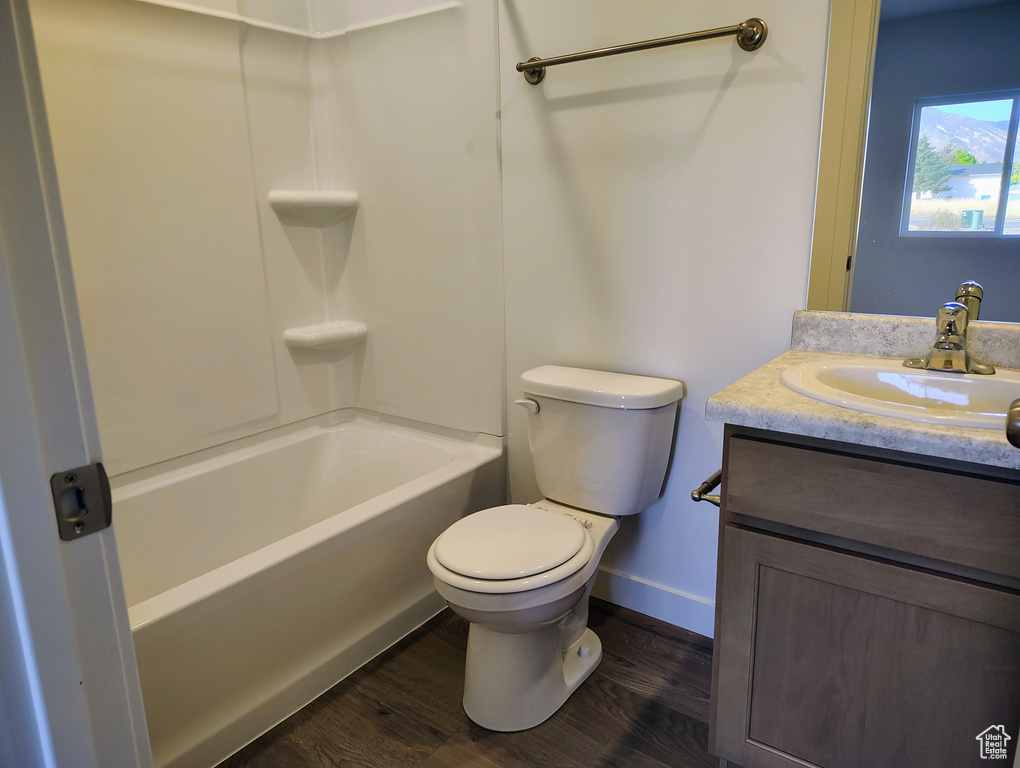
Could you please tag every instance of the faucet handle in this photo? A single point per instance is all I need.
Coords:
(951, 319)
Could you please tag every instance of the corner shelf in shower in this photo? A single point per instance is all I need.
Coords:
(312, 208)
(334, 334)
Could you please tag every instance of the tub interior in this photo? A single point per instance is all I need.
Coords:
(177, 525)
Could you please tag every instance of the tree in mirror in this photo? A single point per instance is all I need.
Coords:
(964, 174)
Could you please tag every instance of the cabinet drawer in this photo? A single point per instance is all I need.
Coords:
(942, 514)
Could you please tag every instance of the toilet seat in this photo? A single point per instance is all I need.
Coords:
(513, 548)
(508, 542)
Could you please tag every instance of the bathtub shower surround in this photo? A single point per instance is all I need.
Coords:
(270, 230)
(192, 152)
(259, 575)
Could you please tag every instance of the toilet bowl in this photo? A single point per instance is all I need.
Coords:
(521, 574)
(529, 646)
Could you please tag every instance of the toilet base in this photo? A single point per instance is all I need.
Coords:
(514, 682)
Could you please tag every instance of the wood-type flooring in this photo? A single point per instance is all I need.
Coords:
(645, 706)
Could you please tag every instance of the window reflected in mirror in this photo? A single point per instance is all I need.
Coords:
(963, 166)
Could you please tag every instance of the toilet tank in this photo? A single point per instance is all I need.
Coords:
(600, 441)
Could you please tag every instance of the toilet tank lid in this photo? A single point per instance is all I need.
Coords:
(602, 388)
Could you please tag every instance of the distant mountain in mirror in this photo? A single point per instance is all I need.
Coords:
(984, 139)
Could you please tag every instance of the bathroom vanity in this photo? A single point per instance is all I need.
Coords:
(868, 603)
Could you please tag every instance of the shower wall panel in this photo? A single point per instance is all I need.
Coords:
(411, 110)
(147, 114)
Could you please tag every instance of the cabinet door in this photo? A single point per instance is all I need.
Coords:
(840, 661)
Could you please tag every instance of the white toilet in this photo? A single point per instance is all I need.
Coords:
(522, 574)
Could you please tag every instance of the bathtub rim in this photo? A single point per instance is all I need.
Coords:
(468, 455)
(229, 451)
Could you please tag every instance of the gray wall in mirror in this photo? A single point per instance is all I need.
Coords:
(963, 51)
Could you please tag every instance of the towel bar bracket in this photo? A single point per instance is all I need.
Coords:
(533, 76)
(751, 34)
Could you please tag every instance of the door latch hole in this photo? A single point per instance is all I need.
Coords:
(73, 505)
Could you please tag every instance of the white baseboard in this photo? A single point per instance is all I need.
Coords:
(661, 602)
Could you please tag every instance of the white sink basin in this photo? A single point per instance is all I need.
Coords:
(886, 388)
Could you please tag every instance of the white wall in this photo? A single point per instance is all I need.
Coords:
(171, 128)
(657, 220)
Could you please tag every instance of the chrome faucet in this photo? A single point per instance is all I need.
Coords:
(970, 294)
(949, 353)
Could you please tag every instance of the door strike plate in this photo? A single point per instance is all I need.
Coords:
(82, 500)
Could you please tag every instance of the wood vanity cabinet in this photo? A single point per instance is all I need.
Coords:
(868, 607)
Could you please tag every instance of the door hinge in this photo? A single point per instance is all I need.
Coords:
(82, 500)
(849, 261)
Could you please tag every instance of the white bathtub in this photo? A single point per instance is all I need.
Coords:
(260, 574)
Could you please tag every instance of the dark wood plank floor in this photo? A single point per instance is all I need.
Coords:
(645, 706)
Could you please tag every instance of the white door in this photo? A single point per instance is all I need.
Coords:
(69, 691)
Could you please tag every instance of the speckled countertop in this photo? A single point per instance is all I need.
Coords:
(761, 400)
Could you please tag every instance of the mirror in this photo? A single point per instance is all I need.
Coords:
(946, 70)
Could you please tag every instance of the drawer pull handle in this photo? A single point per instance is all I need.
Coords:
(701, 492)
